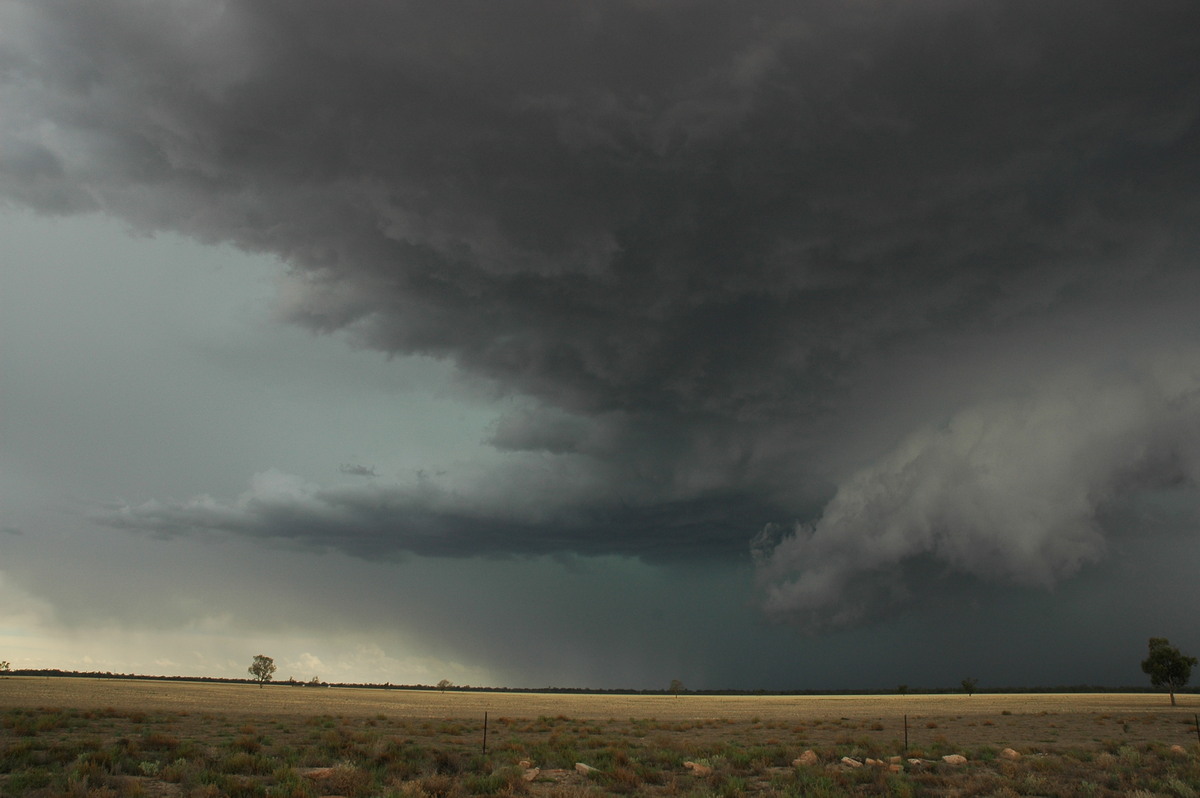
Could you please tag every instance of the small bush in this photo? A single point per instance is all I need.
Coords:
(26, 780)
(246, 744)
(159, 741)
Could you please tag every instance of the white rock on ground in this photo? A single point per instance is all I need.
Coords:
(808, 758)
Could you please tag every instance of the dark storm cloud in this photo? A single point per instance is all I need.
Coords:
(739, 257)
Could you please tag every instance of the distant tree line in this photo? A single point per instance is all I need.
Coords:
(1166, 666)
(1071, 688)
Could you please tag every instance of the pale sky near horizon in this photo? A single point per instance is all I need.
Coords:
(757, 344)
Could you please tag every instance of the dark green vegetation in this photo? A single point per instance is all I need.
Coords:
(111, 753)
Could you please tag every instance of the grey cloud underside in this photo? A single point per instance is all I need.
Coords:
(707, 241)
(1019, 489)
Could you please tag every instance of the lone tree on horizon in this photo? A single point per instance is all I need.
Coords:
(1167, 666)
(676, 687)
(262, 669)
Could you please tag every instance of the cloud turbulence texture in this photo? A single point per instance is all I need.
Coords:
(858, 286)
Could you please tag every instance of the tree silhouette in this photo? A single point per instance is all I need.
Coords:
(1167, 666)
(262, 669)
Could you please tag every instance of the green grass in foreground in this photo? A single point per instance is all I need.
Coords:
(48, 752)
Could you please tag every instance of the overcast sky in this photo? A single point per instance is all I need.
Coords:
(757, 344)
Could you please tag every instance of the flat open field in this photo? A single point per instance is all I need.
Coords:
(161, 696)
(207, 740)
(1001, 719)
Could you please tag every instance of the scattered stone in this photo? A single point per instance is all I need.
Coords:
(915, 762)
(895, 767)
(875, 763)
(894, 760)
(525, 763)
(585, 769)
(850, 762)
(697, 768)
(1010, 754)
(808, 758)
(531, 773)
(1178, 750)
(954, 759)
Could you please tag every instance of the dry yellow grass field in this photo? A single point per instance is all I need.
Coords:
(168, 696)
(1026, 720)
